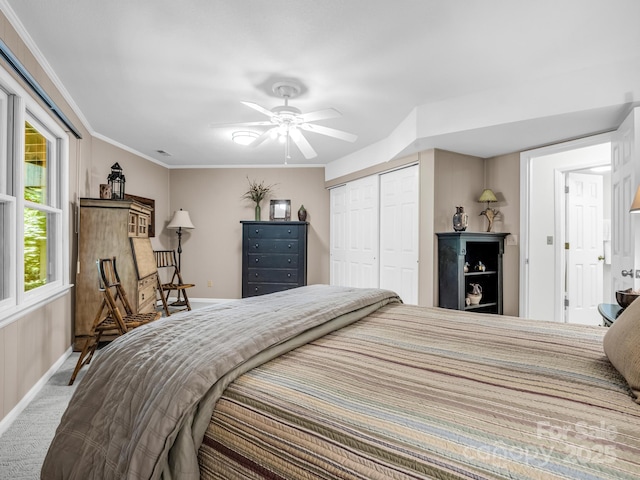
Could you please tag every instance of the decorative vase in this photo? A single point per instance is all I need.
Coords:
(302, 214)
(475, 295)
(257, 212)
(460, 220)
(474, 299)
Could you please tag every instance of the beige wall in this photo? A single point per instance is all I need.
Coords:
(503, 177)
(213, 197)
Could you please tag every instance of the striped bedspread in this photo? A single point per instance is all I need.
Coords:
(412, 392)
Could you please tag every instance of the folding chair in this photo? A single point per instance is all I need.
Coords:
(166, 260)
(110, 320)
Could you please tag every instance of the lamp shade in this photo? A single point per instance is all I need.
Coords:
(487, 196)
(635, 206)
(181, 219)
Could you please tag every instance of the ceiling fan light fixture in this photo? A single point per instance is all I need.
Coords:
(244, 137)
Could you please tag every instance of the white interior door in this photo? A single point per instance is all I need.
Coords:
(363, 234)
(338, 236)
(583, 257)
(625, 227)
(399, 232)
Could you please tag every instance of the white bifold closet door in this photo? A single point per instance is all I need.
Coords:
(374, 233)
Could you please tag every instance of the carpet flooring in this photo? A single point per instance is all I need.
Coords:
(24, 444)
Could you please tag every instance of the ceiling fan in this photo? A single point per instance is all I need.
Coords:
(287, 122)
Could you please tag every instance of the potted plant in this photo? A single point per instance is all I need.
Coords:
(256, 193)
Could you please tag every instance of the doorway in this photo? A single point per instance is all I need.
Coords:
(545, 288)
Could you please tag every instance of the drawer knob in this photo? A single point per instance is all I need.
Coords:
(257, 230)
(289, 260)
(289, 245)
(257, 245)
(256, 289)
(289, 231)
(257, 260)
(256, 275)
(289, 275)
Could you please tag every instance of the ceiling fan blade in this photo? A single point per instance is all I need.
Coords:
(257, 107)
(241, 124)
(331, 132)
(265, 135)
(320, 115)
(303, 144)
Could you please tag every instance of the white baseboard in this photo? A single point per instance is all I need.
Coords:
(6, 422)
(212, 300)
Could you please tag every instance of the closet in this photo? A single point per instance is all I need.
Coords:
(374, 232)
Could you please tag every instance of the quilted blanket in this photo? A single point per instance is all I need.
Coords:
(143, 407)
(415, 393)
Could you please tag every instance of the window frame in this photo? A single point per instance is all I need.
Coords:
(17, 107)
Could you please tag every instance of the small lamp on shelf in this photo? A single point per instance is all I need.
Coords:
(489, 197)
(116, 181)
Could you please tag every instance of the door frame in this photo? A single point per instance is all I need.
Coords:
(526, 160)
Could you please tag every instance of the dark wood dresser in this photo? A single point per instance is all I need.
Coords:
(274, 256)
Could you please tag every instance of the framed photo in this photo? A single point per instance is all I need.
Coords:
(280, 210)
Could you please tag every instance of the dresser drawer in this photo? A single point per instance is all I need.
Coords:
(254, 289)
(272, 275)
(147, 294)
(271, 245)
(273, 260)
(271, 231)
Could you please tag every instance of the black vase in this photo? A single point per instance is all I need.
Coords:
(302, 214)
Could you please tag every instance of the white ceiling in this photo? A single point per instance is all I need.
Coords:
(483, 77)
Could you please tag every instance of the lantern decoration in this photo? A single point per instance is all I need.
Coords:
(116, 180)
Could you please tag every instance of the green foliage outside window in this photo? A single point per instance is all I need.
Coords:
(35, 245)
(35, 221)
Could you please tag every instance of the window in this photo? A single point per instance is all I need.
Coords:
(33, 206)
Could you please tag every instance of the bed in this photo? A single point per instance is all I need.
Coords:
(340, 383)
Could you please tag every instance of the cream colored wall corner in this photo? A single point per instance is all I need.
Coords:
(503, 177)
(427, 264)
(213, 197)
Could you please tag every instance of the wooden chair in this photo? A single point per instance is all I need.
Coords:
(115, 315)
(168, 269)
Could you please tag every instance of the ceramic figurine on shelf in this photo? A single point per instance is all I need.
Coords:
(460, 220)
(480, 267)
(475, 295)
(466, 267)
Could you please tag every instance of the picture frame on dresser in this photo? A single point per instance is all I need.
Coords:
(280, 211)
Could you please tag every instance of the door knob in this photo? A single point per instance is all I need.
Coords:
(627, 273)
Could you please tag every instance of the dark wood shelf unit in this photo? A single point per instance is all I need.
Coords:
(457, 248)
